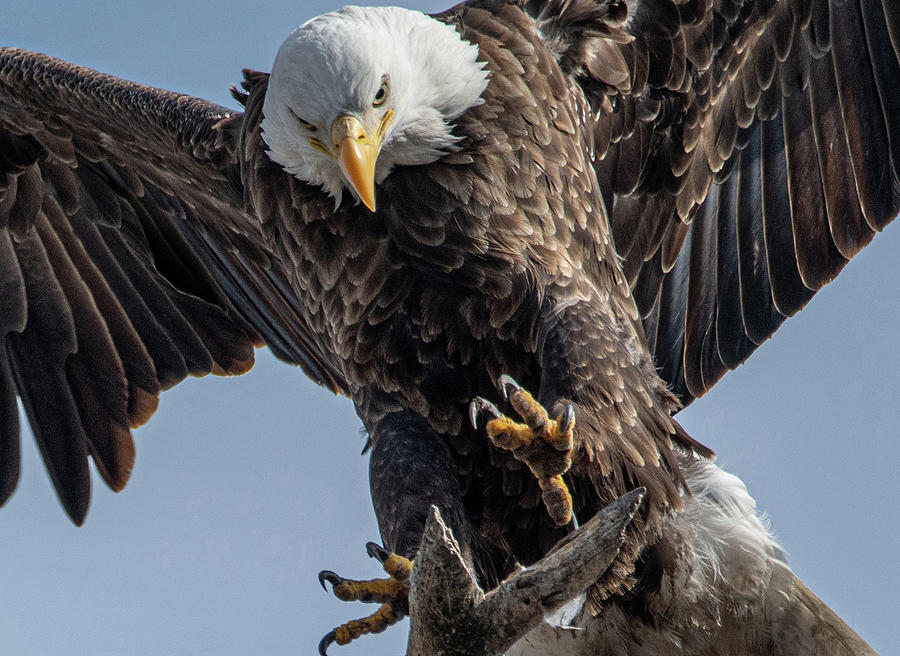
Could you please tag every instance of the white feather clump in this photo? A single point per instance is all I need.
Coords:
(335, 63)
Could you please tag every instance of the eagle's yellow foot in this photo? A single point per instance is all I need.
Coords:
(392, 593)
(542, 443)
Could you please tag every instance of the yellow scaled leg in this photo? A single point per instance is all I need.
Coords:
(542, 443)
(392, 593)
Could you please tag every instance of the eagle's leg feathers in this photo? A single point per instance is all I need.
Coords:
(392, 593)
(542, 443)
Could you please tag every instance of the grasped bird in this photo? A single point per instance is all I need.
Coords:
(422, 210)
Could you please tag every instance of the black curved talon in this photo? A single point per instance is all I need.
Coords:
(507, 384)
(331, 577)
(473, 413)
(567, 419)
(326, 641)
(377, 552)
(478, 406)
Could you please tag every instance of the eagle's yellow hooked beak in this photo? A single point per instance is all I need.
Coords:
(357, 153)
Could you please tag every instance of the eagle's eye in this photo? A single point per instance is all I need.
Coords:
(382, 93)
(304, 123)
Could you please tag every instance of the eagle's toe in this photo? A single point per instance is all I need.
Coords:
(544, 444)
(392, 593)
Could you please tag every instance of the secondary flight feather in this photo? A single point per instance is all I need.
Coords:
(490, 250)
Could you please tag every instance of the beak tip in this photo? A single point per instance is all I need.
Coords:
(357, 163)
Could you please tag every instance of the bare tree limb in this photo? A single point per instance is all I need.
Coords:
(451, 615)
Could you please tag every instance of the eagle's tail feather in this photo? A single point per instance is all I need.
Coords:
(801, 623)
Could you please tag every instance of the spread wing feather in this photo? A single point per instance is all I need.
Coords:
(127, 262)
(748, 150)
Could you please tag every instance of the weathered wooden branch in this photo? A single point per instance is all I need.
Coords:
(451, 615)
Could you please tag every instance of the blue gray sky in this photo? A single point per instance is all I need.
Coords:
(245, 488)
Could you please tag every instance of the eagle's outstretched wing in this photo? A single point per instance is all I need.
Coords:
(747, 151)
(127, 262)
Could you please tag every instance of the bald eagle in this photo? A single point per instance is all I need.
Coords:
(550, 158)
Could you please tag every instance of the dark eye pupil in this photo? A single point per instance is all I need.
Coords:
(380, 94)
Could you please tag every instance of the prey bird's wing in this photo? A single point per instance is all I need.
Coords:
(747, 151)
(127, 262)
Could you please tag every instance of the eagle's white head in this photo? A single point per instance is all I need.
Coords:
(355, 92)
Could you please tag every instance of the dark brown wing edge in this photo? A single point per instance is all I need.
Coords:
(747, 150)
(127, 263)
